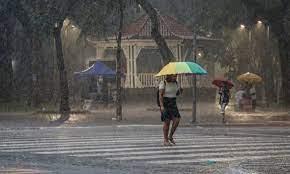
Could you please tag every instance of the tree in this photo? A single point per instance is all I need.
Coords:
(276, 14)
(16, 9)
(160, 41)
(118, 57)
(6, 78)
(64, 90)
(121, 5)
(221, 17)
(34, 16)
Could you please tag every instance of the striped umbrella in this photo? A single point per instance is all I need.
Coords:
(181, 68)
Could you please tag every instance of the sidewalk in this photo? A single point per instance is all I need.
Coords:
(207, 115)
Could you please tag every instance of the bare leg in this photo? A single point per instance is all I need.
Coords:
(174, 126)
(166, 125)
(223, 107)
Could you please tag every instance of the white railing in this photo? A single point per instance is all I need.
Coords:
(149, 80)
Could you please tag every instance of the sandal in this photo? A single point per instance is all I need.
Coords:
(171, 141)
(167, 144)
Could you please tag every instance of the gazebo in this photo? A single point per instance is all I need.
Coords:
(141, 58)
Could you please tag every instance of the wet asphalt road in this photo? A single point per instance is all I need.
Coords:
(138, 149)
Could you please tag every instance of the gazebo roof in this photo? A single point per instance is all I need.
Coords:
(168, 27)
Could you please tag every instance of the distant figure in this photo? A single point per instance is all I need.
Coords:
(168, 90)
(239, 97)
(99, 87)
(224, 93)
(253, 97)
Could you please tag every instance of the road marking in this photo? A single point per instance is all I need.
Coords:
(135, 147)
(118, 141)
(22, 171)
(13, 141)
(147, 147)
(216, 159)
(171, 150)
(123, 143)
(203, 154)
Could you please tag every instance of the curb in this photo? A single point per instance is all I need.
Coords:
(240, 124)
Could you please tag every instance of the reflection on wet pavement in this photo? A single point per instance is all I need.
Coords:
(22, 171)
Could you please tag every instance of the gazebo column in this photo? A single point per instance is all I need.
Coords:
(131, 64)
(178, 52)
(174, 50)
(177, 55)
(100, 52)
(129, 75)
(135, 52)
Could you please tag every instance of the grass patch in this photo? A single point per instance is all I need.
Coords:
(15, 107)
(20, 106)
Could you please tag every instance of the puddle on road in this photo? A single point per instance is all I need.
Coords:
(23, 171)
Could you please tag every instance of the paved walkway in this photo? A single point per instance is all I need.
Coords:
(207, 114)
(127, 149)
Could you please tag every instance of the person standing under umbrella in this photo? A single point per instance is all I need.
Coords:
(224, 93)
(253, 96)
(168, 91)
(240, 94)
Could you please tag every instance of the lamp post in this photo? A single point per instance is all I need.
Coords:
(267, 73)
(194, 81)
(248, 30)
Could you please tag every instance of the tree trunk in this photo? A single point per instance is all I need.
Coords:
(284, 51)
(266, 70)
(15, 8)
(6, 49)
(26, 71)
(38, 68)
(160, 41)
(118, 77)
(268, 83)
(63, 84)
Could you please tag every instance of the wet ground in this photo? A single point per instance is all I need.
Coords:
(138, 149)
(145, 113)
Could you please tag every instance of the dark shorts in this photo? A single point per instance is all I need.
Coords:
(170, 109)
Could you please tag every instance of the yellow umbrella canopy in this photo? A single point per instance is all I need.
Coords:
(249, 78)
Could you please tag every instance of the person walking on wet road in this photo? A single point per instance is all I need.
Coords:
(224, 93)
(169, 89)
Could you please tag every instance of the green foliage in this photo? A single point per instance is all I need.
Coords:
(204, 16)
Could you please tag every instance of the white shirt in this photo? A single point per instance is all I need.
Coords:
(239, 96)
(171, 89)
(253, 93)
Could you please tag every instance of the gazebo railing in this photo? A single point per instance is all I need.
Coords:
(149, 80)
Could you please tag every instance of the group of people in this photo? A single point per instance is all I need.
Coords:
(169, 89)
(245, 97)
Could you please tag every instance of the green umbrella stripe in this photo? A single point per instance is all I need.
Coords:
(195, 68)
(182, 68)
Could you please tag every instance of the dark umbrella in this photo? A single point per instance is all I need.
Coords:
(219, 82)
(98, 69)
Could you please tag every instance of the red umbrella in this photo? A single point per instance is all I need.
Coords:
(219, 82)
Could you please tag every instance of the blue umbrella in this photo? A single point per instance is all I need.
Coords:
(98, 69)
